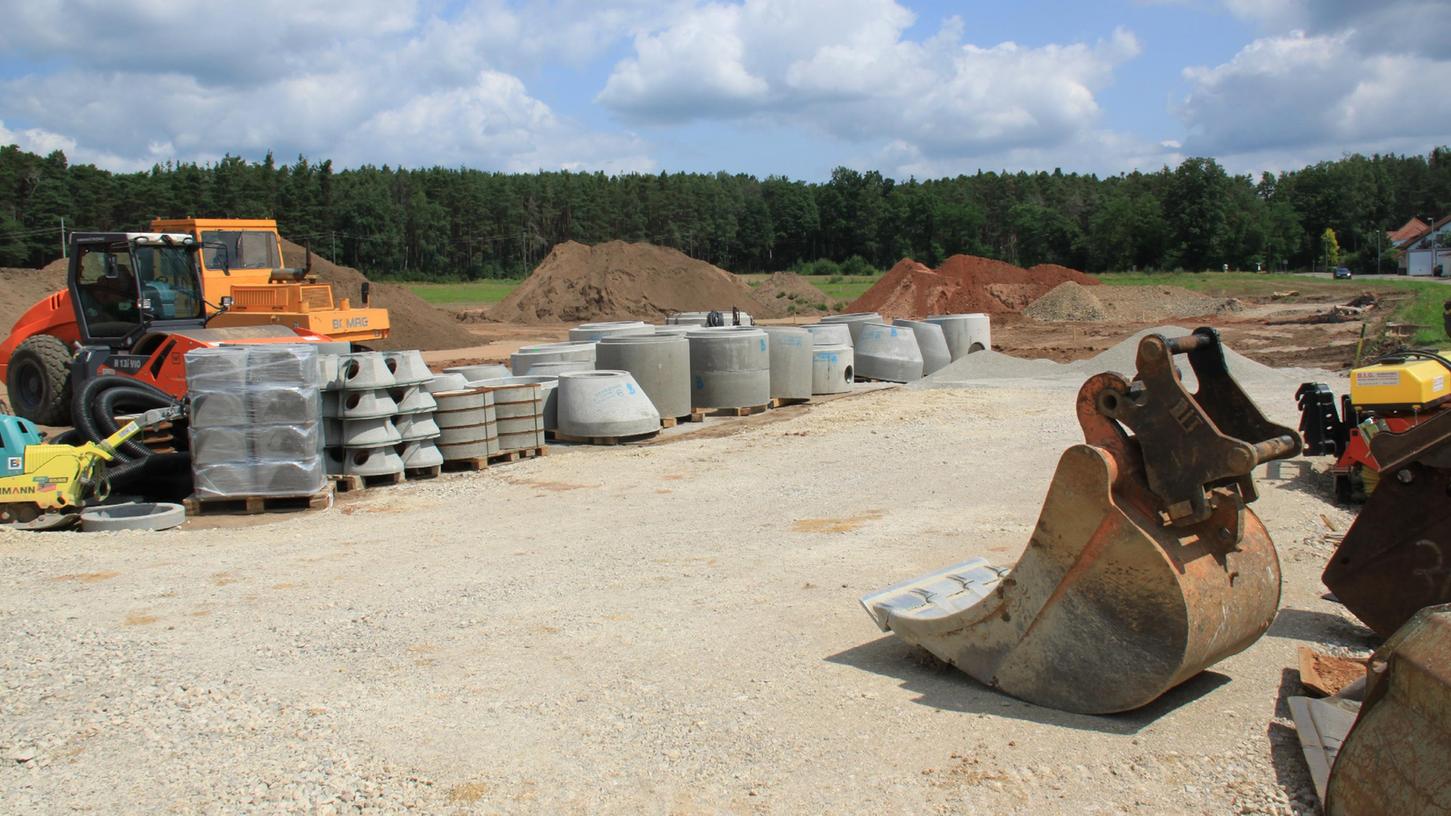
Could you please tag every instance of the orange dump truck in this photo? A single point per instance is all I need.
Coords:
(241, 258)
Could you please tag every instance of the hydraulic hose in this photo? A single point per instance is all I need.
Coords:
(100, 399)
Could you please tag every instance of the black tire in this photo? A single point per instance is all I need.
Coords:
(39, 381)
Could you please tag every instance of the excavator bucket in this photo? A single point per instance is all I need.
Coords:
(1145, 567)
(1397, 757)
(1396, 557)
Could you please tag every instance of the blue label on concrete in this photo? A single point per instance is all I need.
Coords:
(763, 344)
(630, 387)
(894, 332)
(699, 381)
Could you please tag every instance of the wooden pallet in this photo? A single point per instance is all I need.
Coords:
(782, 402)
(348, 482)
(423, 472)
(733, 412)
(671, 422)
(252, 505)
(605, 440)
(500, 458)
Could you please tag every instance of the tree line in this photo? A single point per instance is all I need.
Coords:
(458, 223)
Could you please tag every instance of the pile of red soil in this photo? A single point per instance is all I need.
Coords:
(963, 283)
(623, 281)
(415, 324)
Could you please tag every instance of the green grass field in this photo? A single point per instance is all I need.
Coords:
(1423, 308)
(470, 295)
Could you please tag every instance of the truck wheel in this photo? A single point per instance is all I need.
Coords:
(39, 381)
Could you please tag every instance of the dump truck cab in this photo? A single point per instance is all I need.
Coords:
(242, 259)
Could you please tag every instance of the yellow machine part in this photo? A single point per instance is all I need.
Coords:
(258, 300)
(1411, 384)
(56, 477)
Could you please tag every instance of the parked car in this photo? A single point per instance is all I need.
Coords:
(1342, 273)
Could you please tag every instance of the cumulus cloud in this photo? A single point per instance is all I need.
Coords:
(127, 84)
(1327, 78)
(847, 68)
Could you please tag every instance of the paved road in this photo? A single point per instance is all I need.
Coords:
(1379, 277)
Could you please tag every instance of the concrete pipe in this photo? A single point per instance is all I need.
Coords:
(283, 405)
(554, 368)
(791, 361)
(604, 403)
(372, 462)
(730, 367)
(365, 404)
(548, 394)
(412, 427)
(218, 408)
(521, 360)
(700, 318)
(887, 353)
(586, 332)
(217, 446)
(365, 369)
(931, 342)
(303, 478)
(674, 329)
(660, 365)
(152, 516)
(363, 433)
(965, 333)
(407, 366)
(446, 382)
(854, 322)
(474, 373)
(467, 450)
(420, 453)
(829, 334)
(831, 369)
(518, 413)
(413, 399)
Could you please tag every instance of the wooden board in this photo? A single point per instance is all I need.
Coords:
(484, 462)
(671, 422)
(252, 505)
(735, 412)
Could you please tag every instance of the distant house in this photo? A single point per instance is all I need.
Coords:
(1427, 251)
(1404, 237)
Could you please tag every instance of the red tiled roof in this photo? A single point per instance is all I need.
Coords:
(1411, 229)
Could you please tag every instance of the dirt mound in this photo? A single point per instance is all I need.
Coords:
(1128, 304)
(1067, 301)
(623, 281)
(416, 325)
(793, 293)
(963, 283)
(22, 288)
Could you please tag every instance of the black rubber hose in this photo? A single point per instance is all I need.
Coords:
(160, 475)
(70, 436)
(1406, 354)
(98, 401)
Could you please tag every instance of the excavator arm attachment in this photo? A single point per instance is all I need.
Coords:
(1145, 567)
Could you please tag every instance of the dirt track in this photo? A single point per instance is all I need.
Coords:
(668, 629)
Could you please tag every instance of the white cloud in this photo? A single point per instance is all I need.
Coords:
(1346, 77)
(846, 68)
(127, 84)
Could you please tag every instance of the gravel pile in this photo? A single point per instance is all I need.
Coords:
(1068, 301)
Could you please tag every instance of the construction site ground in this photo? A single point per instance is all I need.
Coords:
(663, 629)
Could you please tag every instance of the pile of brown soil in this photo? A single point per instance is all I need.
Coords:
(22, 288)
(1067, 301)
(623, 281)
(1126, 304)
(415, 324)
(793, 293)
(963, 283)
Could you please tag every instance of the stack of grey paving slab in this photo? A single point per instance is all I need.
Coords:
(255, 421)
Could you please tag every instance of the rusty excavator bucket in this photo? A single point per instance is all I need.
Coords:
(1397, 757)
(1396, 557)
(1145, 567)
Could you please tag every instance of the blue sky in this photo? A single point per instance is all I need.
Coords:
(785, 87)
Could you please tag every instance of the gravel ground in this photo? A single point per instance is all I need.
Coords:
(664, 629)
